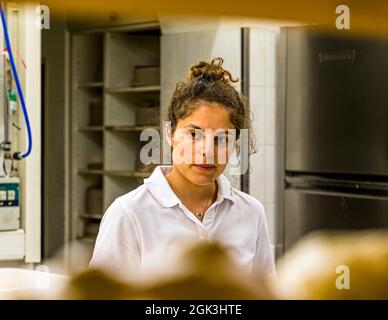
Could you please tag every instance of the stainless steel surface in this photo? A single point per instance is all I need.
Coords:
(325, 183)
(337, 104)
(309, 210)
(337, 133)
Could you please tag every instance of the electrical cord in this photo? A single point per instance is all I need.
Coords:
(17, 155)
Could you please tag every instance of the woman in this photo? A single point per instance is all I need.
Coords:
(191, 199)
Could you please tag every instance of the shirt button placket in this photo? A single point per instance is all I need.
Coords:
(209, 218)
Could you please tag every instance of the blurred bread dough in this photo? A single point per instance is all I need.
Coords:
(336, 265)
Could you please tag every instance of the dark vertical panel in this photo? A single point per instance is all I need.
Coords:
(244, 181)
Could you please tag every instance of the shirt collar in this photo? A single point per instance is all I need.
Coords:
(158, 185)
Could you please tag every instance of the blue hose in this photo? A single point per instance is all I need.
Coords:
(18, 86)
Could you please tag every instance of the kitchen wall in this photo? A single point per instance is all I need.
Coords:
(267, 102)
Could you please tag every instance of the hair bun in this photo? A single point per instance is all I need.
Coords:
(212, 71)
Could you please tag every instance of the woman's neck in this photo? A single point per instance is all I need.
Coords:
(190, 192)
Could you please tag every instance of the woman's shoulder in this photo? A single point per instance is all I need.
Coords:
(134, 198)
(125, 204)
(248, 202)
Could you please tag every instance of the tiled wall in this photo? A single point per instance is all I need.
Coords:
(267, 93)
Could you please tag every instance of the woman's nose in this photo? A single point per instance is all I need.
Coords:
(207, 148)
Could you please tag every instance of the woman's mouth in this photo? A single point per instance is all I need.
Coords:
(204, 167)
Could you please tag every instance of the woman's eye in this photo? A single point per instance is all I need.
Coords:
(195, 135)
(221, 139)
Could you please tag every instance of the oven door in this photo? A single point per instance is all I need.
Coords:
(308, 210)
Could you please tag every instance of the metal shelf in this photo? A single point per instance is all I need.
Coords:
(90, 217)
(131, 128)
(114, 173)
(133, 89)
(90, 172)
(129, 174)
(90, 128)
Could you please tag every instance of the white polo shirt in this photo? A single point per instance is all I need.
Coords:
(139, 228)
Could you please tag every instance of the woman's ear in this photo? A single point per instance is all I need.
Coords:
(168, 135)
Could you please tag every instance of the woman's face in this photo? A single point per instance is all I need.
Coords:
(202, 143)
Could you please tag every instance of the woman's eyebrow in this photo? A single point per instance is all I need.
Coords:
(224, 131)
(193, 126)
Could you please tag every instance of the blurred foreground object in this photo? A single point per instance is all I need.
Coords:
(30, 284)
(322, 264)
(365, 16)
(201, 271)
